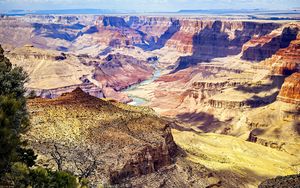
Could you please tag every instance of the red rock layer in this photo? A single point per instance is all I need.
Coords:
(290, 91)
(290, 59)
(237, 32)
(261, 48)
(286, 60)
(120, 71)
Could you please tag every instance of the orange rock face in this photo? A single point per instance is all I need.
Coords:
(261, 48)
(290, 91)
(286, 60)
(209, 37)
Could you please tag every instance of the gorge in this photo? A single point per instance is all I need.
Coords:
(161, 101)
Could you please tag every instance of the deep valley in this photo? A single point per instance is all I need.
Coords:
(161, 101)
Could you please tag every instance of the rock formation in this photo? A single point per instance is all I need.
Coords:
(111, 143)
(53, 73)
(286, 60)
(78, 123)
(267, 46)
(290, 90)
(210, 83)
(120, 71)
(292, 181)
(212, 39)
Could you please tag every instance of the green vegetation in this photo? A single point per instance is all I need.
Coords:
(16, 160)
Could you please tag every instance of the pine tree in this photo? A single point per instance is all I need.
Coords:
(13, 113)
(15, 159)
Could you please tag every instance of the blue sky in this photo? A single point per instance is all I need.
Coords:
(148, 5)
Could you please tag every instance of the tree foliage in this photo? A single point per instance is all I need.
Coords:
(13, 114)
(17, 161)
(41, 177)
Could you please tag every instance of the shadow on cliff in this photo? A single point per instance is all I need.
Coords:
(275, 82)
(257, 101)
(212, 42)
(162, 40)
(297, 127)
(260, 53)
(245, 178)
(204, 121)
(296, 124)
(58, 31)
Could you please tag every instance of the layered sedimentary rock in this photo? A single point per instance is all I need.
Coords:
(286, 60)
(290, 90)
(156, 31)
(277, 125)
(207, 38)
(211, 39)
(89, 88)
(49, 69)
(260, 48)
(120, 71)
(95, 132)
(53, 73)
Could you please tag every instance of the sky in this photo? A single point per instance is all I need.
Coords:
(148, 5)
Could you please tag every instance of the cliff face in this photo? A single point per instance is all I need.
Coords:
(286, 60)
(93, 133)
(120, 71)
(216, 38)
(290, 91)
(49, 69)
(267, 46)
(53, 73)
(277, 124)
(206, 38)
(211, 39)
(89, 88)
(155, 31)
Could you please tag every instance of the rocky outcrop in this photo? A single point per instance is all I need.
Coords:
(292, 181)
(120, 71)
(286, 60)
(149, 160)
(88, 88)
(188, 35)
(155, 31)
(53, 73)
(229, 104)
(214, 85)
(202, 90)
(115, 142)
(290, 91)
(279, 145)
(216, 38)
(267, 46)
(211, 39)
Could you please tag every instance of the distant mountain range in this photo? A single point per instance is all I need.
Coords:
(239, 11)
(66, 11)
(108, 11)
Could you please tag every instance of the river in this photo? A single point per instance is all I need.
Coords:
(138, 101)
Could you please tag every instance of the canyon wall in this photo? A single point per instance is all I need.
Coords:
(53, 73)
(144, 140)
(290, 91)
(267, 46)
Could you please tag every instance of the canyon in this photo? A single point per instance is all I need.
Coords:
(208, 97)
